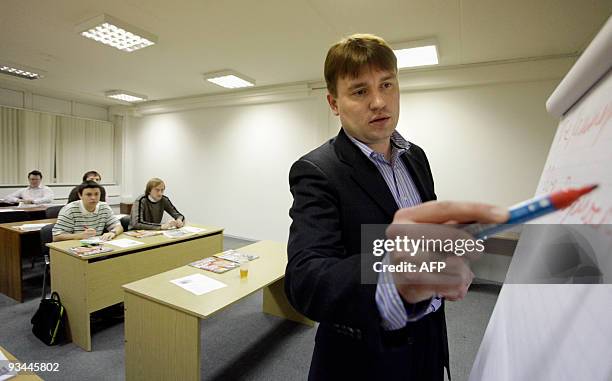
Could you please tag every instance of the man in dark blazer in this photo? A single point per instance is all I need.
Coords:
(391, 329)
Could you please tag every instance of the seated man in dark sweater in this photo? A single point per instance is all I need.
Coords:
(148, 209)
(88, 176)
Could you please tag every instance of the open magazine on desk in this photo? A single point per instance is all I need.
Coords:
(182, 232)
(223, 262)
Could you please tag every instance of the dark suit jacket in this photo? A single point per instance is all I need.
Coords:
(336, 189)
(74, 194)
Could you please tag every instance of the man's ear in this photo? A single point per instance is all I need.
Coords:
(333, 104)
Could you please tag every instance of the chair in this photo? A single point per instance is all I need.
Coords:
(125, 208)
(46, 236)
(125, 222)
(53, 211)
(13, 216)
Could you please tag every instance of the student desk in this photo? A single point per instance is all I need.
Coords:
(503, 243)
(162, 320)
(89, 284)
(23, 375)
(13, 243)
(34, 212)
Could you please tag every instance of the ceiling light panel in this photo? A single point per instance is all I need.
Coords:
(229, 79)
(110, 31)
(126, 96)
(416, 53)
(230, 82)
(20, 71)
(413, 57)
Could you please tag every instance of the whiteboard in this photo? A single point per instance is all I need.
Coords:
(564, 331)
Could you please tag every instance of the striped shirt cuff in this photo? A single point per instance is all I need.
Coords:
(394, 314)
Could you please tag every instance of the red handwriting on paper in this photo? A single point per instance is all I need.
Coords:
(581, 126)
(587, 211)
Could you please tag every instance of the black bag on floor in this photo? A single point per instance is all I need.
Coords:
(48, 323)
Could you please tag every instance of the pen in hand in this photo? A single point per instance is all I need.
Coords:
(89, 232)
(530, 210)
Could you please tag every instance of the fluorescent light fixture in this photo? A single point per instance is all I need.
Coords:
(416, 53)
(21, 71)
(229, 79)
(125, 96)
(110, 31)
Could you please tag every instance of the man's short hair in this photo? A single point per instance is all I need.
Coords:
(152, 184)
(35, 172)
(348, 56)
(89, 184)
(91, 173)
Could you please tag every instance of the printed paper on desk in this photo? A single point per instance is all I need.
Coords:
(176, 233)
(124, 242)
(30, 227)
(143, 233)
(192, 229)
(5, 372)
(23, 205)
(198, 284)
(92, 241)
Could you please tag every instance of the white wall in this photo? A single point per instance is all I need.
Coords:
(226, 163)
(227, 166)
(484, 143)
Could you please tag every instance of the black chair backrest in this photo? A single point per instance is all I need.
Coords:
(125, 222)
(46, 236)
(53, 211)
(13, 216)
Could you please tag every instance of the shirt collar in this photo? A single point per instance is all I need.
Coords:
(87, 212)
(399, 145)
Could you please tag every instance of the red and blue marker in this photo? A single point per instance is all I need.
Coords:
(530, 210)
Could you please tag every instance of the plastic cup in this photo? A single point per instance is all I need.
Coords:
(244, 267)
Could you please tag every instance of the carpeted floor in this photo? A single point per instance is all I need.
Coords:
(238, 343)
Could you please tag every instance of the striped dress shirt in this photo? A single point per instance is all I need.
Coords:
(390, 306)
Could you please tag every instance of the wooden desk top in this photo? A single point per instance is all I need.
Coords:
(503, 243)
(33, 208)
(22, 209)
(268, 268)
(509, 235)
(21, 376)
(12, 226)
(158, 240)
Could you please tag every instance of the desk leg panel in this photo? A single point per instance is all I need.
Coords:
(161, 343)
(105, 278)
(68, 279)
(10, 264)
(275, 303)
